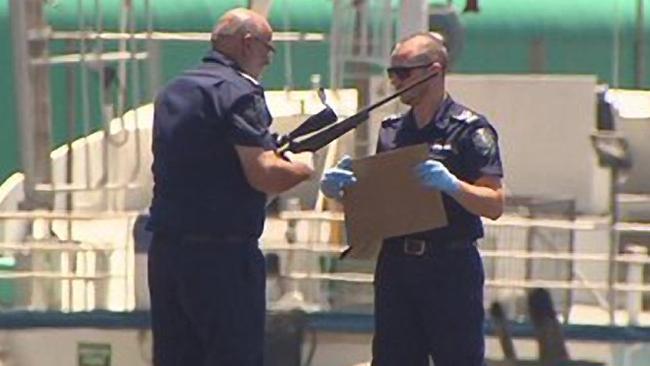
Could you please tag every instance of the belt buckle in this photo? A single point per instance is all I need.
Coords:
(415, 246)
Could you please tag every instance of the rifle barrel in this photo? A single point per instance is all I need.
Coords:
(399, 92)
(334, 131)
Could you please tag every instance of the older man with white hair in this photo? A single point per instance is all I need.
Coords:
(214, 166)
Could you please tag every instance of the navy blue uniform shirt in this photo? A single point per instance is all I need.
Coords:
(199, 183)
(465, 143)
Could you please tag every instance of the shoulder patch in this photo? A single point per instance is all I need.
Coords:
(484, 141)
(466, 116)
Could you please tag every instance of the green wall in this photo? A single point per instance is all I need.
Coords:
(9, 159)
(576, 37)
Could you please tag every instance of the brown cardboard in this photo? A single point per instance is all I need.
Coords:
(388, 200)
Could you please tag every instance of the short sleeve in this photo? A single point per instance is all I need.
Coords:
(482, 152)
(249, 123)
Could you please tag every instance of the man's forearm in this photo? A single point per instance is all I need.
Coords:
(480, 200)
(269, 173)
(282, 175)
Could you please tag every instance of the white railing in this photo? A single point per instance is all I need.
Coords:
(67, 261)
(511, 265)
(310, 265)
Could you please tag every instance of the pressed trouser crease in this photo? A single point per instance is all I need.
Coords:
(429, 306)
(207, 302)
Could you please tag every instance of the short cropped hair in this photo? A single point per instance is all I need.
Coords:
(432, 46)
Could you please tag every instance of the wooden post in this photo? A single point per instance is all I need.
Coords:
(501, 330)
(635, 277)
(552, 350)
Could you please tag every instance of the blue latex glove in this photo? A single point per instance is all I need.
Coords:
(434, 174)
(337, 178)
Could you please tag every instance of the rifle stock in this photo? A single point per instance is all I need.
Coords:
(322, 138)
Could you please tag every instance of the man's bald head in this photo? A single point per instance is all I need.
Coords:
(420, 48)
(238, 22)
(245, 37)
(415, 57)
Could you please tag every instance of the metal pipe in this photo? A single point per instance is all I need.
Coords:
(414, 17)
(108, 107)
(387, 33)
(99, 48)
(173, 36)
(23, 89)
(129, 267)
(635, 277)
(85, 112)
(71, 85)
(613, 246)
(261, 6)
(135, 96)
(288, 69)
(639, 46)
(616, 44)
(335, 47)
(362, 39)
(153, 52)
(74, 58)
(122, 48)
(71, 81)
(32, 98)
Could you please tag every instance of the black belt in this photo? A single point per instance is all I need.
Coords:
(423, 247)
(205, 238)
(202, 238)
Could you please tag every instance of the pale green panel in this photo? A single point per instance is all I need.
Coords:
(9, 158)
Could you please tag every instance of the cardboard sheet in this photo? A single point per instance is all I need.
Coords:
(388, 200)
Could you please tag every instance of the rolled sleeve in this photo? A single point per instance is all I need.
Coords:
(249, 123)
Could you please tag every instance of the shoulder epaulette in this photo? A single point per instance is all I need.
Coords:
(391, 119)
(465, 115)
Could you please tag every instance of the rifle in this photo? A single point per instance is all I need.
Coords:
(322, 120)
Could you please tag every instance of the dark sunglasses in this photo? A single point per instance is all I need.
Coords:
(403, 72)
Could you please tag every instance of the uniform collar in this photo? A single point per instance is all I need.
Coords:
(440, 118)
(218, 57)
(249, 78)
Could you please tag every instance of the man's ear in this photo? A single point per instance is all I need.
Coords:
(246, 41)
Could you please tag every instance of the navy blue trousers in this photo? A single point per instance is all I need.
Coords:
(207, 302)
(429, 306)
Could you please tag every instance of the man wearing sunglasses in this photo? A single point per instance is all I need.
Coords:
(429, 285)
(214, 165)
